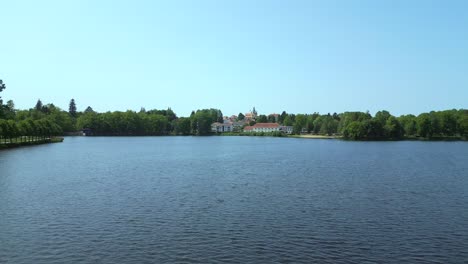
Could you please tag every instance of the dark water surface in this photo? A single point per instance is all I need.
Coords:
(234, 200)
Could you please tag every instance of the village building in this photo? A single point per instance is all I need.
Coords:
(229, 119)
(268, 127)
(263, 127)
(286, 129)
(248, 129)
(237, 126)
(222, 127)
(251, 116)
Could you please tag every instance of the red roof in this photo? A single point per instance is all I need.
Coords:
(266, 125)
(248, 128)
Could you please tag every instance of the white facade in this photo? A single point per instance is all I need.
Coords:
(220, 128)
(287, 129)
(265, 129)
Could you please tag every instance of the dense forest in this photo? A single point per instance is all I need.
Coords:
(46, 120)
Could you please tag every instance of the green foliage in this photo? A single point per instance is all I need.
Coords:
(310, 122)
(355, 130)
(240, 117)
(271, 119)
(442, 124)
(463, 124)
(39, 105)
(262, 119)
(288, 121)
(89, 109)
(425, 128)
(409, 124)
(448, 122)
(282, 117)
(347, 117)
(127, 123)
(72, 108)
(28, 129)
(146, 123)
(393, 128)
(325, 124)
(2, 87)
(329, 125)
(382, 117)
(201, 121)
(299, 124)
(182, 126)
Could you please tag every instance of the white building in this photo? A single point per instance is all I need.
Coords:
(286, 129)
(268, 127)
(263, 127)
(221, 127)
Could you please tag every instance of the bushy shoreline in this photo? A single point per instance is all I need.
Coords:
(30, 143)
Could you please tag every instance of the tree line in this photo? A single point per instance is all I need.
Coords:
(149, 123)
(383, 125)
(46, 120)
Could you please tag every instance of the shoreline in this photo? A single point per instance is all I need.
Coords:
(13, 145)
(305, 136)
(315, 136)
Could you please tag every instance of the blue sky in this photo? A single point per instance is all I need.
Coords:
(298, 56)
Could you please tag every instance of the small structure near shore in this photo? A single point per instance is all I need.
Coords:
(87, 132)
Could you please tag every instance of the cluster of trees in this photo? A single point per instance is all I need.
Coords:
(45, 120)
(436, 124)
(363, 126)
(146, 123)
(28, 130)
(39, 123)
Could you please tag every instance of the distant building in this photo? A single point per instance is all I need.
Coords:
(237, 126)
(251, 116)
(269, 127)
(222, 127)
(263, 127)
(286, 129)
(229, 119)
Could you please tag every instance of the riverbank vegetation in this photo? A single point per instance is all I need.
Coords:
(47, 120)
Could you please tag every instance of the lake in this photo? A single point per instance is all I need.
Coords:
(234, 200)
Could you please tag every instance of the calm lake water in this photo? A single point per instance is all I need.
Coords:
(234, 200)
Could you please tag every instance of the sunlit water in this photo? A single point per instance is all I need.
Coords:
(234, 200)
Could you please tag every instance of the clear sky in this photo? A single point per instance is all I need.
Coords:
(299, 56)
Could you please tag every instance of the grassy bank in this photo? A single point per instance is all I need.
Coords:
(9, 145)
